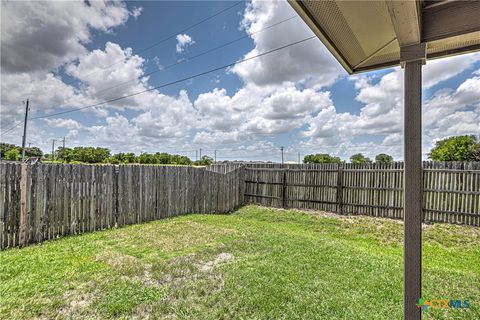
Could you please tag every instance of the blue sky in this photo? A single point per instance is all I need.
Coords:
(298, 97)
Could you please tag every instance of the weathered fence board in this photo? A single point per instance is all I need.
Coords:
(42, 201)
(451, 189)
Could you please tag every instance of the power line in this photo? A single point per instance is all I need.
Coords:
(12, 127)
(170, 36)
(177, 81)
(200, 54)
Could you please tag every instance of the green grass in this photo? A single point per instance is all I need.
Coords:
(257, 263)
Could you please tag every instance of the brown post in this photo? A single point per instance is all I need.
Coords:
(340, 189)
(413, 189)
(23, 204)
(284, 187)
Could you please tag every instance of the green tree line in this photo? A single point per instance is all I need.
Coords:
(459, 148)
(13, 152)
(356, 158)
(103, 155)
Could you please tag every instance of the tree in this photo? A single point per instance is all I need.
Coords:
(146, 158)
(116, 158)
(121, 157)
(29, 151)
(65, 154)
(181, 160)
(129, 157)
(163, 158)
(204, 161)
(33, 152)
(383, 158)
(321, 158)
(90, 154)
(5, 147)
(459, 148)
(359, 158)
(12, 154)
(113, 160)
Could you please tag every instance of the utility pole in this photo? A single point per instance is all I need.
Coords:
(24, 138)
(53, 150)
(281, 149)
(29, 144)
(200, 153)
(215, 152)
(196, 155)
(299, 158)
(63, 150)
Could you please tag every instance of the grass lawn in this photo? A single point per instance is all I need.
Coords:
(256, 263)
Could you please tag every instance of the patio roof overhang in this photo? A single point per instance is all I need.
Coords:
(367, 35)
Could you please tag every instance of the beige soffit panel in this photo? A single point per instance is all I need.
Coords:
(361, 35)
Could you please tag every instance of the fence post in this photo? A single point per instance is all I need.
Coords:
(243, 185)
(284, 187)
(340, 189)
(23, 204)
(116, 170)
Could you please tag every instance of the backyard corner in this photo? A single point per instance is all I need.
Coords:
(258, 262)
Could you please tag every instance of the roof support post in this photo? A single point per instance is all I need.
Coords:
(413, 189)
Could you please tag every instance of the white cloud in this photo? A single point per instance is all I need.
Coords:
(446, 102)
(136, 12)
(39, 37)
(112, 73)
(167, 118)
(97, 71)
(447, 113)
(259, 110)
(183, 40)
(117, 131)
(453, 112)
(308, 62)
(217, 138)
(72, 134)
(393, 139)
(42, 35)
(45, 93)
(436, 71)
(63, 123)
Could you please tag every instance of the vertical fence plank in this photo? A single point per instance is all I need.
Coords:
(23, 204)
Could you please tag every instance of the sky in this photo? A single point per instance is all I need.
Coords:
(66, 56)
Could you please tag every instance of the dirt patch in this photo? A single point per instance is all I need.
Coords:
(181, 269)
(126, 264)
(174, 272)
(221, 258)
(142, 312)
(78, 303)
(116, 259)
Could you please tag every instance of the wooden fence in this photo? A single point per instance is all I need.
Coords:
(40, 202)
(451, 190)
